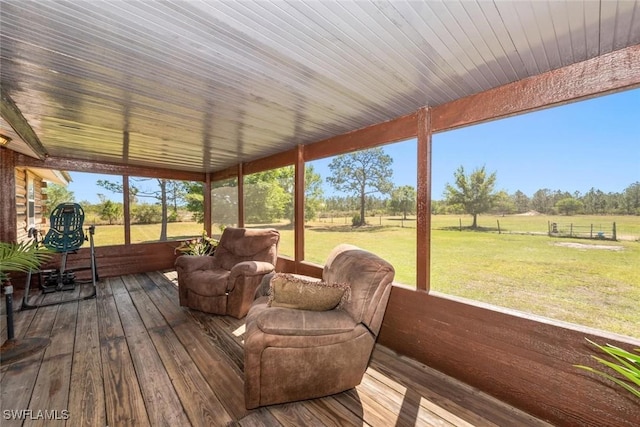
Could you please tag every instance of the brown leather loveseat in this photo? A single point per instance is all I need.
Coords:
(293, 354)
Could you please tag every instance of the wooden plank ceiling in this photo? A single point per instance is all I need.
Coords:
(204, 85)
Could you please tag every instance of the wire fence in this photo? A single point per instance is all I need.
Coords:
(591, 231)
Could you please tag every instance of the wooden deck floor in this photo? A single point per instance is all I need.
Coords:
(132, 356)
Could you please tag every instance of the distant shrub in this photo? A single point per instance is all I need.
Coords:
(146, 214)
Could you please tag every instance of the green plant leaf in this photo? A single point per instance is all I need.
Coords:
(23, 256)
(622, 384)
(624, 363)
(629, 373)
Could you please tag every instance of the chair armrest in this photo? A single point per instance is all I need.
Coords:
(265, 284)
(250, 268)
(189, 263)
(288, 321)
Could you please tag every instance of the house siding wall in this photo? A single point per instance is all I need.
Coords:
(22, 177)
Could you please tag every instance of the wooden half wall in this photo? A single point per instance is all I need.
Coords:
(521, 359)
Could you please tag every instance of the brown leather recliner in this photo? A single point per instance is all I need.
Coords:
(225, 283)
(292, 354)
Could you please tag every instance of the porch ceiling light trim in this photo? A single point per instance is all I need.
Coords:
(4, 139)
(12, 114)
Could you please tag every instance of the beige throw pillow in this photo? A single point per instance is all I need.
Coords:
(290, 291)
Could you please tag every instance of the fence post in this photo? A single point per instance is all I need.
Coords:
(614, 232)
(571, 230)
(591, 234)
(498, 221)
(460, 226)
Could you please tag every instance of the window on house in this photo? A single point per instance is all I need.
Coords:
(31, 202)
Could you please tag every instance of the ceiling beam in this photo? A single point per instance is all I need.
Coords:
(62, 163)
(608, 73)
(12, 114)
(398, 129)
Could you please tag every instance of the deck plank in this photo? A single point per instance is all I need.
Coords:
(451, 395)
(218, 371)
(294, 414)
(163, 405)
(168, 307)
(217, 332)
(147, 310)
(133, 356)
(86, 395)
(109, 320)
(124, 402)
(330, 412)
(405, 403)
(18, 382)
(132, 325)
(51, 391)
(200, 403)
(214, 365)
(123, 398)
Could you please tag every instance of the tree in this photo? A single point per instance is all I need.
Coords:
(403, 199)
(313, 193)
(473, 192)
(521, 202)
(136, 191)
(503, 204)
(594, 202)
(57, 194)
(194, 199)
(361, 173)
(542, 201)
(631, 199)
(109, 210)
(264, 200)
(569, 205)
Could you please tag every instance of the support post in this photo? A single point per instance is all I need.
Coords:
(298, 203)
(423, 226)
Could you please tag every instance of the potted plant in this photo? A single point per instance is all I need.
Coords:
(203, 245)
(22, 256)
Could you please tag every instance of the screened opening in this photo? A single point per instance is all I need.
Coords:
(555, 194)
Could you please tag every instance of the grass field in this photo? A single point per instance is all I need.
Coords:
(590, 282)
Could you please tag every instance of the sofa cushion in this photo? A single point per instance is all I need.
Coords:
(283, 321)
(293, 291)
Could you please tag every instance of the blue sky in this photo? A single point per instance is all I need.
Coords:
(574, 147)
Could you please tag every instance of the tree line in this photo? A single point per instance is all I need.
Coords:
(365, 180)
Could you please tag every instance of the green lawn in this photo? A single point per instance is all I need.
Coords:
(590, 282)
